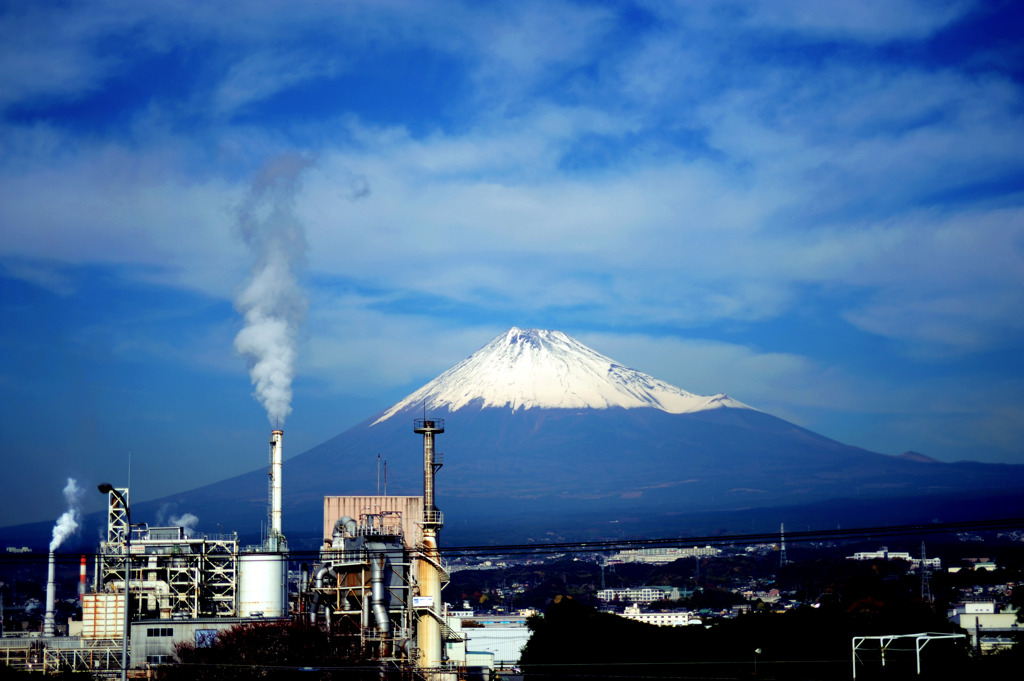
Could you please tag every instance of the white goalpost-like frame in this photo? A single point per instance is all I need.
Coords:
(920, 641)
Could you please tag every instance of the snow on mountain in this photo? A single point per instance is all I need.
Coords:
(535, 368)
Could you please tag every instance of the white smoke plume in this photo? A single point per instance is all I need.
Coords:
(272, 302)
(187, 521)
(164, 512)
(67, 524)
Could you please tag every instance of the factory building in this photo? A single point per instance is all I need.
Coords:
(173, 575)
(489, 640)
(362, 587)
(375, 586)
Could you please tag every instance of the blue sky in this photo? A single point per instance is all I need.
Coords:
(817, 208)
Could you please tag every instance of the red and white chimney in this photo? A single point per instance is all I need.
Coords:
(81, 581)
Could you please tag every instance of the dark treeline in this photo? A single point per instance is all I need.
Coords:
(574, 640)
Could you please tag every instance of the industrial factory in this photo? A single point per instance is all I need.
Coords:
(374, 587)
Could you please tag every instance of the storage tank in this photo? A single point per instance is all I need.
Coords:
(262, 585)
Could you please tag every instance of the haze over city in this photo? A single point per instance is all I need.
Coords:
(816, 213)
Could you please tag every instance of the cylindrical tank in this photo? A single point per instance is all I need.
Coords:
(262, 585)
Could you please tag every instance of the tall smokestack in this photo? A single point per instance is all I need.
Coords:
(81, 581)
(429, 568)
(429, 428)
(48, 619)
(276, 437)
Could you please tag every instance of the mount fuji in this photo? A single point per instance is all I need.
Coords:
(538, 369)
(542, 429)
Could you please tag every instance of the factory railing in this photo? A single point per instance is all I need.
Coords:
(433, 518)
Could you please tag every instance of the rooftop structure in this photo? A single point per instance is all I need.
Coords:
(662, 555)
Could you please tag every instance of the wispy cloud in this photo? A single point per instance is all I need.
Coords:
(733, 196)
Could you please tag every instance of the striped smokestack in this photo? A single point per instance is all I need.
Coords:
(81, 581)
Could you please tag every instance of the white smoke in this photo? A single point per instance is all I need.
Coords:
(272, 302)
(187, 521)
(164, 512)
(67, 524)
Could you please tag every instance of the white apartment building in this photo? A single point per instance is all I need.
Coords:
(662, 555)
(642, 594)
(661, 619)
(884, 553)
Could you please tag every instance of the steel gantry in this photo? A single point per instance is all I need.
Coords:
(886, 641)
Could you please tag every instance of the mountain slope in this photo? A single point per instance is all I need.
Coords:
(538, 425)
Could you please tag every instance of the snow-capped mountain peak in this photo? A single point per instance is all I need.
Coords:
(535, 368)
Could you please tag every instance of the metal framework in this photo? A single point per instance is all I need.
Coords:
(379, 579)
(188, 577)
(345, 592)
(104, 656)
(920, 641)
(57, 654)
(117, 517)
(171, 574)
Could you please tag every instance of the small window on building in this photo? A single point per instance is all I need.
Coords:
(205, 638)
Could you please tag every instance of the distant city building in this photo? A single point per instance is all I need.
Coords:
(985, 618)
(661, 619)
(501, 637)
(662, 554)
(769, 596)
(643, 594)
(885, 554)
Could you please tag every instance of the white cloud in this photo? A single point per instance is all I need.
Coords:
(830, 175)
(46, 275)
(354, 347)
(260, 75)
(49, 56)
(868, 20)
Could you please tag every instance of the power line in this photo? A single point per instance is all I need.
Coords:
(483, 550)
(734, 539)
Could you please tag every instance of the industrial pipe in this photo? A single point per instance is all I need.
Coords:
(318, 582)
(380, 609)
(344, 527)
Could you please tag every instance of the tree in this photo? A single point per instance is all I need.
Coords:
(270, 650)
